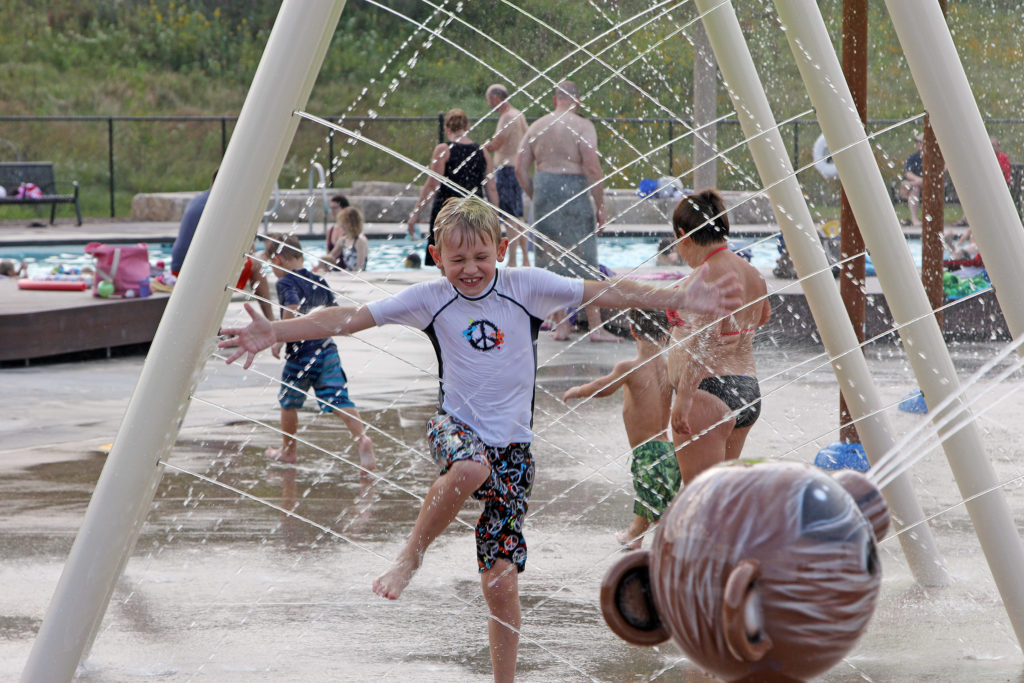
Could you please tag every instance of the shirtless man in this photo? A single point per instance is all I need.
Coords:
(562, 149)
(504, 146)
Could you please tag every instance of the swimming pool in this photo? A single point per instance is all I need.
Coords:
(617, 253)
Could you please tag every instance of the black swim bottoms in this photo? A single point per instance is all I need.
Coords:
(741, 393)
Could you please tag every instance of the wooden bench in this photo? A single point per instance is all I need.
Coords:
(40, 173)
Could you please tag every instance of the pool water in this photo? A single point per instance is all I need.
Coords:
(617, 253)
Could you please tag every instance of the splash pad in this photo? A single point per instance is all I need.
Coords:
(100, 547)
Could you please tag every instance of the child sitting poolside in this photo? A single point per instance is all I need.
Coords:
(646, 409)
(483, 323)
(311, 364)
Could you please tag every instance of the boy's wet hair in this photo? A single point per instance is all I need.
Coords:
(701, 217)
(278, 243)
(463, 217)
(648, 324)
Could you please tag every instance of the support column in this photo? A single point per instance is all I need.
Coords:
(922, 338)
(794, 217)
(184, 339)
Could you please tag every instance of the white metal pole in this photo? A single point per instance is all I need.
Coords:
(897, 273)
(960, 130)
(834, 326)
(252, 161)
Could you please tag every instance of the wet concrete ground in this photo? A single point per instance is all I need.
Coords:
(223, 588)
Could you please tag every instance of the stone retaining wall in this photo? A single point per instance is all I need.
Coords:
(384, 202)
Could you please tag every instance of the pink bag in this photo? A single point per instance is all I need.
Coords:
(124, 265)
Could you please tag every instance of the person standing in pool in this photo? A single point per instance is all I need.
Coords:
(252, 273)
(567, 189)
(711, 361)
(464, 163)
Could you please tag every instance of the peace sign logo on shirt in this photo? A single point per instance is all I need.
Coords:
(483, 335)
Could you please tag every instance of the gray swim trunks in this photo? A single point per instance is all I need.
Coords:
(572, 226)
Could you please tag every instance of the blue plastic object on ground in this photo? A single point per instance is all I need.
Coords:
(914, 403)
(842, 456)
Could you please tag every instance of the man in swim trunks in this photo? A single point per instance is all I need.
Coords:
(503, 147)
(711, 360)
(646, 406)
(561, 147)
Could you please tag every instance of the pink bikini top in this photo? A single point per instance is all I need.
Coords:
(675, 320)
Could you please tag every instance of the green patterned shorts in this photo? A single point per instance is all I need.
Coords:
(656, 478)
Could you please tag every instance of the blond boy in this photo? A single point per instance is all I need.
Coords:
(483, 324)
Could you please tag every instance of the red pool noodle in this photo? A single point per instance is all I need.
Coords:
(60, 285)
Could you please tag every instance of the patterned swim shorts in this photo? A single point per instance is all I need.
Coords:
(506, 493)
(323, 373)
(656, 478)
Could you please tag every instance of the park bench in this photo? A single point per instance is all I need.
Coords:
(39, 173)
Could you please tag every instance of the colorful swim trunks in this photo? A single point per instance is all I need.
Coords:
(506, 493)
(656, 478)
(323, 372)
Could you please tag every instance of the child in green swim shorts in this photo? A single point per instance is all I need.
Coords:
(646, 409)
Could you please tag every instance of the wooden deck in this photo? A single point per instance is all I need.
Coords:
(38, 324)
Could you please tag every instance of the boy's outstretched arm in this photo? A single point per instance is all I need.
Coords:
(261, 333)
(602, 386)
(699, 295)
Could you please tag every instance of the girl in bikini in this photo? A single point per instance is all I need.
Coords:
(711, 362)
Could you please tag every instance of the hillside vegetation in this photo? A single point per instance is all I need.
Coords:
(196, 58)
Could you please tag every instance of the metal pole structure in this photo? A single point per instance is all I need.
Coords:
(922, 338)
(933, 215)
(181, 346)
(794, 217)
(705, 102)
(933, 220)
(961, 133)
(851, 277)
(110, 160)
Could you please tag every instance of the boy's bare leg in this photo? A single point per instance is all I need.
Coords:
(442, 503)
(350, 416)
(598, 333)
(289, 425)
(632, 538)
(500, 584)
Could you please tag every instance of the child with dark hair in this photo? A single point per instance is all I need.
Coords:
(313, 363)
(646, 407)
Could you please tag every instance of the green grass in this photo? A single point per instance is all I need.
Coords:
(197, 57)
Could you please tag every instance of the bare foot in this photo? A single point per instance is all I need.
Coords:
(603, 336)
(391, 583)
(281, 454)
(559, 336)
(366, 457)
(629, 541)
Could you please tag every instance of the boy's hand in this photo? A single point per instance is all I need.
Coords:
(250, 340)
(718, 297)
(572, 393)
(275, 350)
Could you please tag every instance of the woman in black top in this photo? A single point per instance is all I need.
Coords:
(461, 161)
